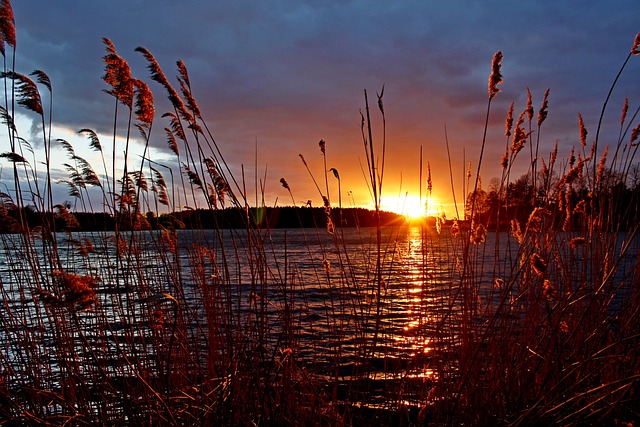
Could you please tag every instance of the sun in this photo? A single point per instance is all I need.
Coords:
(412, 206)
(408, 205)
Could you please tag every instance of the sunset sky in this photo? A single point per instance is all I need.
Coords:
(281, 75)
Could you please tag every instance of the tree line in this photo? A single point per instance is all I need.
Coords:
(12, 218)
(615, 201)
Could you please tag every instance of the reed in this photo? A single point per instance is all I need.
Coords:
(524, 311)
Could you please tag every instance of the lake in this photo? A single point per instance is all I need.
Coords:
(345, 309)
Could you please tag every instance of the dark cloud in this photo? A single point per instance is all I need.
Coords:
(287, 73)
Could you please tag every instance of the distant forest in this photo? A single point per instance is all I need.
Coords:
(568, 202)
(269, 217)
(567, 207)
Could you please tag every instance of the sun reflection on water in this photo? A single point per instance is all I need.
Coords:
(415, 298)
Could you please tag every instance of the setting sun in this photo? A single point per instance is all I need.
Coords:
(411, 206)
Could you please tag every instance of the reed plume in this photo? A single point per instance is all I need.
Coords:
(219, 187)
(79, 293)
(193, 176)
(14, 157)
(535, 219)
(75, 176)
(140, 180)
(538, 264)
(544, 170)
(176, 126)
(496, 78)
(326, 264)
(504, 162)
(572, 157)
(479, 234)
(145, 109)
(71, 152)
(69, 220)
(529, 108)
(27, 91)
(542, 114)
(574, 173)
(7, 119)
(634, 136)
(327, 212)
(625, 108)
(635, 49)
(601, 165)
(576, 242)
(171, 140)
(550, 292)
(7, 26)
(583, 131)
(323, 150)
(210, 166)
(73, 190)
(128, 196)
(554, 155)
(516, 230)
(88, 174)
(509, 122)
(455, 227)
(160, 185)
(158, 75)
(42, 78)
(94, 141)
(117, 74)
(185, 88)
(519, 136)
(440, 221)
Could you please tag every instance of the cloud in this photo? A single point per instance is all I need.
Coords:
(287, 73)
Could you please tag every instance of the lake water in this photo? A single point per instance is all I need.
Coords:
(341, 305)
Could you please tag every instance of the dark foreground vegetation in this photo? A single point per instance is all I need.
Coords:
(539, 325)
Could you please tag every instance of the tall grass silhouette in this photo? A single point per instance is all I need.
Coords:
(523, 311)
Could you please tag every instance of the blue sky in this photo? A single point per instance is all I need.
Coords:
(281, 75)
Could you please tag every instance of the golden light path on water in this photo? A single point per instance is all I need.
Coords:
(419, 298)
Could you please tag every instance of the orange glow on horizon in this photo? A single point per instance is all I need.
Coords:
(411, 206)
